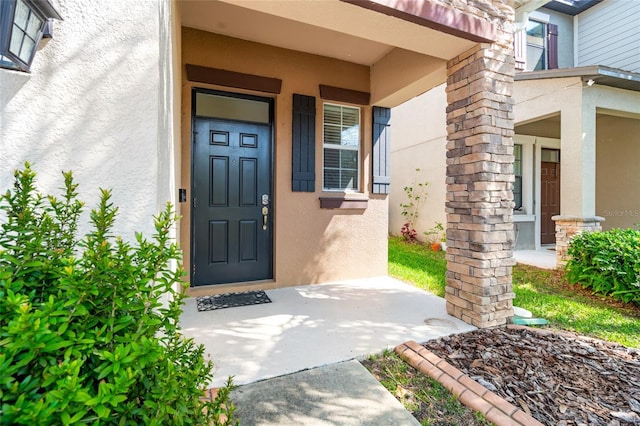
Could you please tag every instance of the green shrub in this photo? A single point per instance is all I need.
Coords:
(84, 334)
(607, 262)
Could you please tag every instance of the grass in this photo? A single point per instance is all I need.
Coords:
(426, 399)
(418, 265)
(547, 294)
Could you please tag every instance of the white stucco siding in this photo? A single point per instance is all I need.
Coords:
(609, 34)
(93, 103)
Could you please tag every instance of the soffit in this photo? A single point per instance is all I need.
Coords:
(571, 7)
(597, 74)
(330, 28)
(548, 127)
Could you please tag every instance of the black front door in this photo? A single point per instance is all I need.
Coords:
(232, 209)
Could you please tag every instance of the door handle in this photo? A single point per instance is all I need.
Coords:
(265, 215)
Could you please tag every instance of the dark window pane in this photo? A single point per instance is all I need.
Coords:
(350, 117)
(331, 179)
(349, 159)
(517, 162)
(348, 179)
(332, 114)
(332, 135)
(517, 192)
(332, 158)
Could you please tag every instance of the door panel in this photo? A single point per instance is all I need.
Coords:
(220, 176)
(218, 232)
(248, 243)
(232, 170)
(248, 182)
(550, 200)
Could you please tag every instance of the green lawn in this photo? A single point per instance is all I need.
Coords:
(545, 293)
(418, 265)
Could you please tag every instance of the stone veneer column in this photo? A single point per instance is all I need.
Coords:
(480, 182)
(569, 226)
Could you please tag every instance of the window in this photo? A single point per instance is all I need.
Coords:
(341, 147)
(541, 46)
(517, 171)
(536, 46)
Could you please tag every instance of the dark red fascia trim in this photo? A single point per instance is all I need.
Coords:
(340, 94)
(434, 16)
(238, 80)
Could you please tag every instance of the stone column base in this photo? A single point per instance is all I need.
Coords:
(567, 227)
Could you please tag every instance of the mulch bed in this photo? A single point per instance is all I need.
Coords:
(559, 378)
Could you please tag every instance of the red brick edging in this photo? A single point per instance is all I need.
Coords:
(468, 391)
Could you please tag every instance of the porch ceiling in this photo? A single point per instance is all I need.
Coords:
(548, 127)
(551, 126)
(331, 28)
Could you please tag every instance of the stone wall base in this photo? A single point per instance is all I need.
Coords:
(567, 227)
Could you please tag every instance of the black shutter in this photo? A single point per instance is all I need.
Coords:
(381, 150)
(303, 176)
(552, 46)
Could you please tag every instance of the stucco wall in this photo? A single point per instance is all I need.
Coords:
(617, 177)
(312, 245)
(419, 141)
(94, 104)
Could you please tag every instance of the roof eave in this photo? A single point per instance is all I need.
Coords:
(599, 74)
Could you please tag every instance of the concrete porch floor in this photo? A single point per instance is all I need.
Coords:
(316, 325)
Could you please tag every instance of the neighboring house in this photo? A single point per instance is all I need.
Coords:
(266, 123)
(577, 124)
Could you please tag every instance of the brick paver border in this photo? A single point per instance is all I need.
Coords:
(469, 392)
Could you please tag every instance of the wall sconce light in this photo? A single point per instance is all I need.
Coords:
(22, 23)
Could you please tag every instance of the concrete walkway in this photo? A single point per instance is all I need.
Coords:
(336, 394)
(543, 258)
(311, 326)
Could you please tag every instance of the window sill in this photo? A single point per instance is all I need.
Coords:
(521, 217)
(343, 203)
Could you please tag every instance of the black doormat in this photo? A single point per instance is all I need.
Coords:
(232, 300)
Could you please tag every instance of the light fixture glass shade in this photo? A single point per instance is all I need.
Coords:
(21, 27)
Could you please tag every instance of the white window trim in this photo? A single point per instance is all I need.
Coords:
(332, 146)
(540, 17)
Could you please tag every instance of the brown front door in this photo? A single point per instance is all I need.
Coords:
(550, 200)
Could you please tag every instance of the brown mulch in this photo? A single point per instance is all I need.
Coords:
(559, 378)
